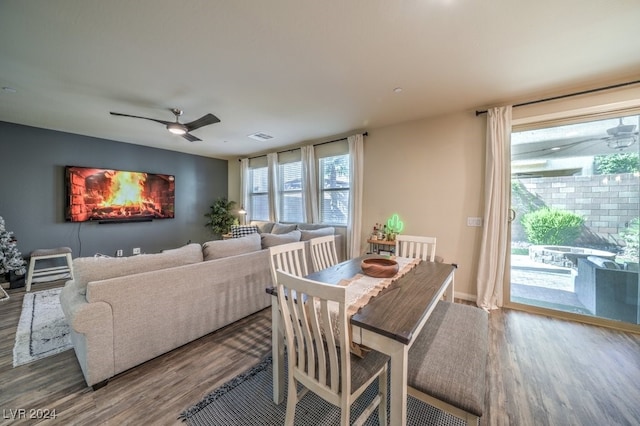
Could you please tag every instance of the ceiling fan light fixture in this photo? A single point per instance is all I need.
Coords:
(176, 128)
(621, 142)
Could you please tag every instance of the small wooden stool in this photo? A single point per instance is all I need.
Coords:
(56, 270)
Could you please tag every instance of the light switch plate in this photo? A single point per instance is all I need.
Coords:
(474, 221)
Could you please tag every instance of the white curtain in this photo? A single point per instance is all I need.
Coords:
(272, 171)
(309, 184)
(354, 223)
(493, 250)
(245, 186)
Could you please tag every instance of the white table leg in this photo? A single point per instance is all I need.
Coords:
(398, 385)
(398, 352)
(450, 290)
(277, 352)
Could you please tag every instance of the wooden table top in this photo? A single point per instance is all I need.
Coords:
(398, 309)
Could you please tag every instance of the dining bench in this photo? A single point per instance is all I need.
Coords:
(447, 361)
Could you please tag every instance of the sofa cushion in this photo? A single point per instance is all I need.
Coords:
(88, 269)
(238, 231)
(281, 228)
(270, 240)
(306, 235)
(311, 226)
(191, 253)
(263, 227)
(231, 247)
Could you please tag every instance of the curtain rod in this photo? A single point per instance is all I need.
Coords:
(584, 92)
(293, 149)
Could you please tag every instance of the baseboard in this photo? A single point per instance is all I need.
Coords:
(465, 296)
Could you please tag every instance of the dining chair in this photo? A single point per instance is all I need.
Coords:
(291, 258)
(318, 351)
(414, 246)
(323, 252)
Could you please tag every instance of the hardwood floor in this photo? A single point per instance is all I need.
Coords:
(542, 371)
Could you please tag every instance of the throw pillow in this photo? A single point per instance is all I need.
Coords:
(88, 269)
(231, 247)
(263, 227)
(270, 240)
(308, 235)
(280, 228)
(238, 231)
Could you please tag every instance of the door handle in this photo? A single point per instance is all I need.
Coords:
(512, 215)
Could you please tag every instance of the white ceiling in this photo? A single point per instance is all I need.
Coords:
(300, 71)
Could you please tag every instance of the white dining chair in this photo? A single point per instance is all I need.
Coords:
(291, 258)
(416, 247)
(323, 252)
(318, 351)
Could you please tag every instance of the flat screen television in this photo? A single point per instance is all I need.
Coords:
(107, 195)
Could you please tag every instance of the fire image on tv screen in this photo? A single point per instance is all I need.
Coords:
(115, 195)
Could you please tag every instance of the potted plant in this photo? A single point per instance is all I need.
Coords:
(220, 216)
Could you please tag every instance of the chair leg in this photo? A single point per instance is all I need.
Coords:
(292, 400)
(70, 265)
(345, 412)
(32, 264)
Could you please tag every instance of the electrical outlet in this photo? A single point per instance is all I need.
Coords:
(119, 253)
(136, 250)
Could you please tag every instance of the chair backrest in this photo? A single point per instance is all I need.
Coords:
(416, 247)
(323, 252)
(291, 258)
(314, 331)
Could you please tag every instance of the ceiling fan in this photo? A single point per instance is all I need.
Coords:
(622, 136)
(178, 128)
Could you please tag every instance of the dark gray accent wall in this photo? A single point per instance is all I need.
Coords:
(32, 192)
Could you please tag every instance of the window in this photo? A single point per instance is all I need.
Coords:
(290, 188)
(259, 194)
(334, 189)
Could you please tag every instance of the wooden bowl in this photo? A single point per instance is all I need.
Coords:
(379, 267)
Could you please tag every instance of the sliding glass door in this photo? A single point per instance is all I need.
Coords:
(574, 240)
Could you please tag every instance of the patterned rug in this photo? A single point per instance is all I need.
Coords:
(247, 400)
(42, 329)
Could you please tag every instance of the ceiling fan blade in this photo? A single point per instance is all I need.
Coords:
(205, 120)
(144, 118)
(190, 137)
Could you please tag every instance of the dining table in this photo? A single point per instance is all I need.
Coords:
(388, 323)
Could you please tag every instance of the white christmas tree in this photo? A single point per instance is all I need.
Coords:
(10, 257)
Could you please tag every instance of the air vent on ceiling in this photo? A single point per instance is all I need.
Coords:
(259, 136)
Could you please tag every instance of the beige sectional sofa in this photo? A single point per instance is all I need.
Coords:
(125, 311)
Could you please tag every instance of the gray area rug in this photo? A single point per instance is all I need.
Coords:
(247, 400)
(42, 330)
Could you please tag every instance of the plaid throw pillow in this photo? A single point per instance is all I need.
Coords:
(238, 231)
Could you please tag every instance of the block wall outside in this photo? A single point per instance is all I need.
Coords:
(607, 203)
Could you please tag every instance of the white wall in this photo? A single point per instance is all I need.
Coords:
(431, 172)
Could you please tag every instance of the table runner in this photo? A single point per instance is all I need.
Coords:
(360, 290)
